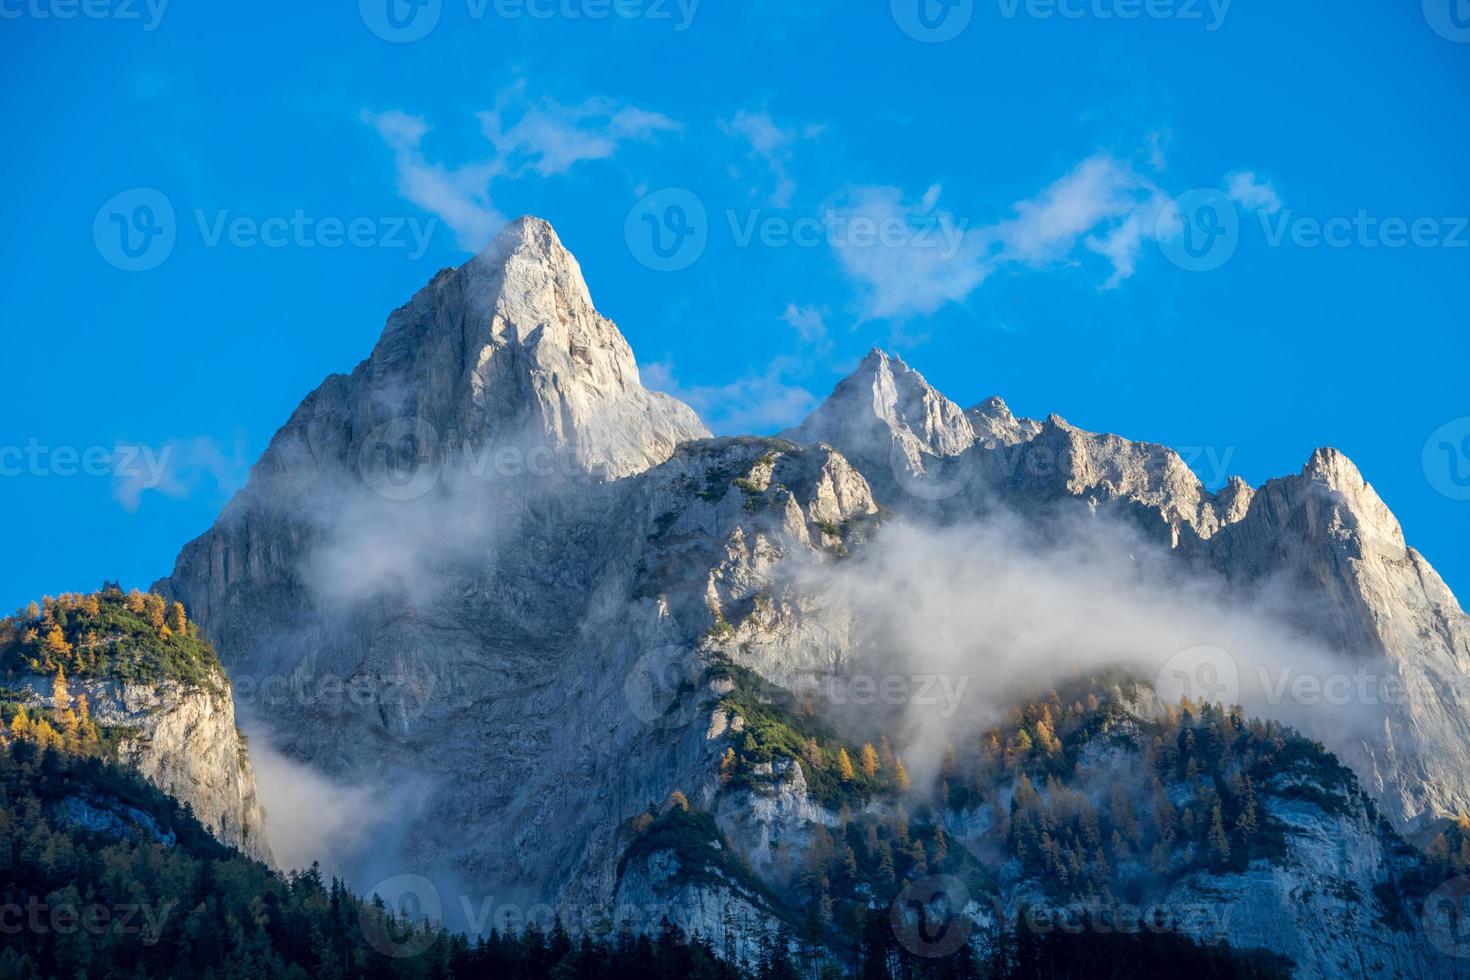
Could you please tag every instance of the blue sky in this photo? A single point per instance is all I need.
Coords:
(1015, 161)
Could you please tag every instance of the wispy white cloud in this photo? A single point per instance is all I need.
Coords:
(918, 258)
(1105, 206)
(549, 138)
(810, 325)
(768, 400)
(542, 137)
(762, 402)
(177, 469)
(1252, 192)
(1099, 201)
(460, 196)
(772, 144)
(1158, 147)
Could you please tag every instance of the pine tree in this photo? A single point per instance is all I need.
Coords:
(55, 646)
(868, 760)
(1218, 842)
(901, 777)
(153, 608)
(177, 621)
(921, 861)
(727, 766)
(885, 863)
(60, 698)
(1248, 822)
(844, 766)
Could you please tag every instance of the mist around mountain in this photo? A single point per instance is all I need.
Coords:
(909, 690)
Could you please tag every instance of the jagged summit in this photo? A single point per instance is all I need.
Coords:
(888, 419)
(995, 424)
(506, 350)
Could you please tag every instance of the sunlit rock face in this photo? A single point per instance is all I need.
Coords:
(182, 738)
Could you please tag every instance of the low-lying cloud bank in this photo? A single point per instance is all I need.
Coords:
(996, 614)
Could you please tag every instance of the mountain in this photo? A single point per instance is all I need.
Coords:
(600, 662)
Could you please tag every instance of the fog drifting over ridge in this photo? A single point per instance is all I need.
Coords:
(1002, 615)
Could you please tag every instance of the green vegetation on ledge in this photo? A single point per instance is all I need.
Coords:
(108, 635)
(705, 856)
(779, 726)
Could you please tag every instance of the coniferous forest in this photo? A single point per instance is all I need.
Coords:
(152, 894)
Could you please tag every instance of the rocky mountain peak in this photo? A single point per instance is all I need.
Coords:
(1330, 468)
(506, 350)
(1330, 497)
(886, 415)
(995, 423)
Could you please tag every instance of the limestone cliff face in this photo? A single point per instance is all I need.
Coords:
(1325, 538)
(1323, 903)
(549, 690)
(182, 738)
(1319, 907)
